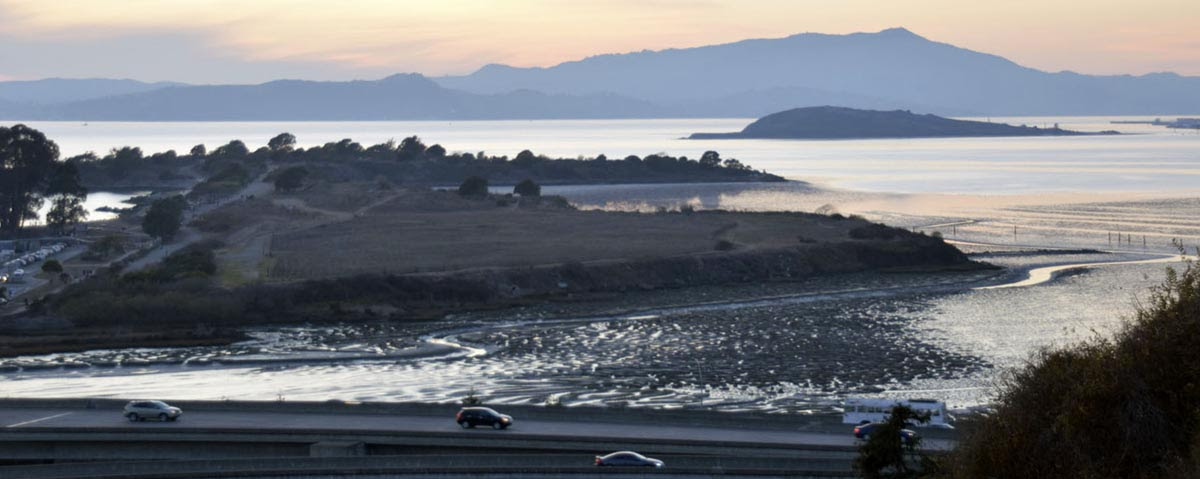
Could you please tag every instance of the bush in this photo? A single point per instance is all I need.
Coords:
(52, 266)
(164, 217)
(873, 231)
(886, 454)
(1125, 407)
(291, 178)
(527, 188)
(473, 187)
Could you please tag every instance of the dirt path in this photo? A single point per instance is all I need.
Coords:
(188, 235)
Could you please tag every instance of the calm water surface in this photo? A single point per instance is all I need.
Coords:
(1150, 158)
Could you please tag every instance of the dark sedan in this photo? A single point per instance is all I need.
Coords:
(470, 417)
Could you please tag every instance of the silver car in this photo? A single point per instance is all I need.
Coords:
(141, 410)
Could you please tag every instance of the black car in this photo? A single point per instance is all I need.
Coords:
(863, 431)
(470, 417)
(627, 459)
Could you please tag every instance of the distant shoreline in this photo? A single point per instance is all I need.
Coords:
(840, 123)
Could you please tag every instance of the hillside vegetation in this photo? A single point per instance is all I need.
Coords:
(1122, 407)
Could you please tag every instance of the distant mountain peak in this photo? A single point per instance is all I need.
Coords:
(899, 32)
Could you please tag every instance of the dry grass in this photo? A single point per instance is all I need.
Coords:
(439, 231)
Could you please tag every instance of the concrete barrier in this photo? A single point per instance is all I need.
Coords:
(443, 466)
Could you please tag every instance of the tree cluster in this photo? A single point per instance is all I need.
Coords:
(30, 172)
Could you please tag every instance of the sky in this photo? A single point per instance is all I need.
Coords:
(251, 41)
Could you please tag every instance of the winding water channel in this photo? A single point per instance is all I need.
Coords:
(773, 350)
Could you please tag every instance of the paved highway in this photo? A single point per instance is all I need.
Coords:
(11, 418)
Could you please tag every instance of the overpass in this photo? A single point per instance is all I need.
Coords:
(75, 438)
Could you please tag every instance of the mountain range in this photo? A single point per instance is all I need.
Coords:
(887, 70)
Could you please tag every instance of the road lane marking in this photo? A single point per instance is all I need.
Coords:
(39, 419)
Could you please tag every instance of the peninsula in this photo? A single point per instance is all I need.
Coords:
(831, 122)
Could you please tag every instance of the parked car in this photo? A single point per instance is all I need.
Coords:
(469, 417)
(627, 459)
(141, 410)
(863, 431)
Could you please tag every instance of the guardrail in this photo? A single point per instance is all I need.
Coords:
(383, 440)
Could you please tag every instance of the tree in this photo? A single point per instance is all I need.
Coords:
(164, 217)
(410, 149)
(65, 211)
(67, 196)
(26, 158)
(886, 453)
(282, 142)
(435, 152)
(233, 149)
(199, 150)
(291, 178)
(524, 158)
(528, 188)
(734, 164)
(52, 266)
(710, 159)
(473, 186)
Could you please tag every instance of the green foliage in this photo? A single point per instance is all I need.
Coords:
(1125, 407)
(27, 158)
(198, 150)
(435, 152)
(228, 180)
(472, 398)
(291, 178)
(410, 149)
(191, 262)
(65, 210)
(233, 150)
(165, 217)
(874, 231)
(52, 266)
(473, 186)
(527, 188)
(178, 291)
(885, 454)
(282, 142)
(104, 248)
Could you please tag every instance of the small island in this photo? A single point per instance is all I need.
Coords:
(837, 123)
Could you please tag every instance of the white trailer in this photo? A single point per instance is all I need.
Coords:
(864, 410)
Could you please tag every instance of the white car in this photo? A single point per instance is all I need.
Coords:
(141, 410)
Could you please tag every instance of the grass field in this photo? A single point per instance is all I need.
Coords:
(429, 231)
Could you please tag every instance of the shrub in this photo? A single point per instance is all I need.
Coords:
(873, 231)
(1122, 407)
(886, 454)
(472, 398)
(527, 188)
(291, 178)
(52, 266)
(473, 186)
